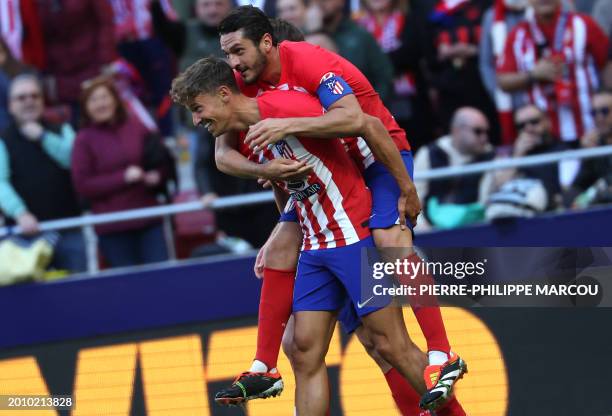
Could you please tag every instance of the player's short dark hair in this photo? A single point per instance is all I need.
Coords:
(203, 77)
(253, 22)
(283, 30)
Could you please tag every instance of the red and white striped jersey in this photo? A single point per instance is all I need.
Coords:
(333, 204)
(11, 27)
(579, 42)
(304, 67)
(133, 20)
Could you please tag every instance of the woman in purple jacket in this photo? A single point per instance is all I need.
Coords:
(107, 170)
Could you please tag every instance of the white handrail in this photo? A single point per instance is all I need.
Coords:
(507, 163)
(267, 196)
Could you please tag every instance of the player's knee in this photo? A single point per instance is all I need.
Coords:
(305, 353)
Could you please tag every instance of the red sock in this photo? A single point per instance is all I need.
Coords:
(406, 398)
(274, 312)
(451, 408)
(427, 311)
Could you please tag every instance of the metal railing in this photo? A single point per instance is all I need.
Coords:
(88, 220)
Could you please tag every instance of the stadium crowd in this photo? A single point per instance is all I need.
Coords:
(86, 120)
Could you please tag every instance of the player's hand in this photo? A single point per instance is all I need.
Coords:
(285, 169)
(524, 143)
(152, 178)
(259, 263)
(590, 139)
(32, 130)
(266, 132)
(28, 223)
(547, 70)
(265, 183)
(133, 174)
(408, 205)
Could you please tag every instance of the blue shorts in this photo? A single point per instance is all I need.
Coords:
(385, 194)
(338, 279)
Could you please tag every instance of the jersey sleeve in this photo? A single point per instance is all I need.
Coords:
(323, 76)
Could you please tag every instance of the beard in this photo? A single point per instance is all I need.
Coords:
(261, 61)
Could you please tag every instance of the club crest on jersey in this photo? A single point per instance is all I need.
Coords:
(283, 149)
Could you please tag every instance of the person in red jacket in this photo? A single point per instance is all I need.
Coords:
(108, 171)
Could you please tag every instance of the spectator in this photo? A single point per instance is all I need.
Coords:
(596, 174)
(602, 115)
(108, 170)
(34, 172)
(553, 59)
(535, 137)
(468, 142)
(9, 68)
(292, 11)
(78, 36)
(284, 30)
(496, 23)
(323, 40)
(267, 6)
(197, 37)
(394, 28)
(358, 46)
(449, 35)
(602, 13)
(139, 44)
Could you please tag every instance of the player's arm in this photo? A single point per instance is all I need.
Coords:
(230, 161)
(344, 118)
(280, 197)
(385, 151)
